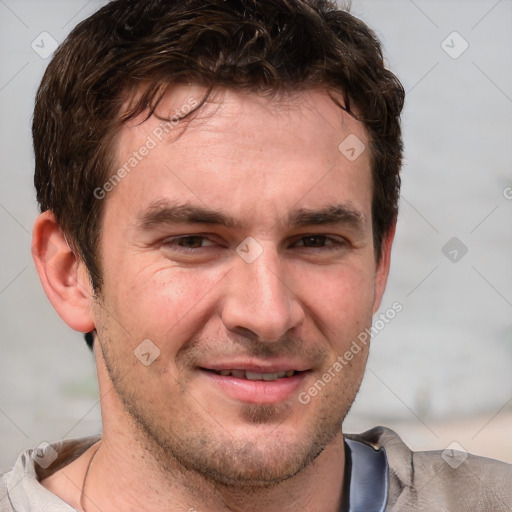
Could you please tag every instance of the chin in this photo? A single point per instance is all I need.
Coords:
(258, 455)
(253, 464)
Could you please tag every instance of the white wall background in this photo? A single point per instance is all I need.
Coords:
(446, 357)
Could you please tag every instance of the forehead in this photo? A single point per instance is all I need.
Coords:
(244, 147)
(220, 111)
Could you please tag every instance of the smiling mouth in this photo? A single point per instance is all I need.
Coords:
(248, 375)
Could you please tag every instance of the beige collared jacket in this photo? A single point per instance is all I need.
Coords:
(440, 481)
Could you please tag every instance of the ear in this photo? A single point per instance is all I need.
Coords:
(382, 270)
(63, 275)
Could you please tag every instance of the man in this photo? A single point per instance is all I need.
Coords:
(218, 184)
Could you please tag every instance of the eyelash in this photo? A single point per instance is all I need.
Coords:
(333, 243)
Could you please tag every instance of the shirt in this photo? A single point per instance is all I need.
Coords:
(382, 474)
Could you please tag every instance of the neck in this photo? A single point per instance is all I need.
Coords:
(126, 476)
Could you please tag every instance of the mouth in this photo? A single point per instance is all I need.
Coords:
(255, 385)
(250, 375)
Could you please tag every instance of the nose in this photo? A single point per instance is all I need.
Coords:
(260, 298)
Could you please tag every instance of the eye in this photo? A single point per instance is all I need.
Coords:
(188, 242)
(318, 242)
(313, 241)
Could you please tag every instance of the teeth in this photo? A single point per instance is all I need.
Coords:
(241, 374)
(254, 375)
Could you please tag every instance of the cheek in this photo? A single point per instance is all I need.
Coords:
(344, 301)
(162, 303)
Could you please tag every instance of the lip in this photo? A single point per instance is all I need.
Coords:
(256, 391)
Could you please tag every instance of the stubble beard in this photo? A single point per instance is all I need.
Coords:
(218, 457)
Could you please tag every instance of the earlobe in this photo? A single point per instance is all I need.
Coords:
(62, 274)
(382, 271)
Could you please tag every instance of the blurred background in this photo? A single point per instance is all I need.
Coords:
(440, 372)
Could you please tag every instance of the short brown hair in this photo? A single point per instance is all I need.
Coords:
(255, 45)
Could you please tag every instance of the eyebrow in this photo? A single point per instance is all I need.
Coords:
(163, 212)
(330, 215)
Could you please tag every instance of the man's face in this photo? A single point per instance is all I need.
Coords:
(242, 248)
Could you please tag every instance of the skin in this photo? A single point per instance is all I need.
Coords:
(173, 437)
